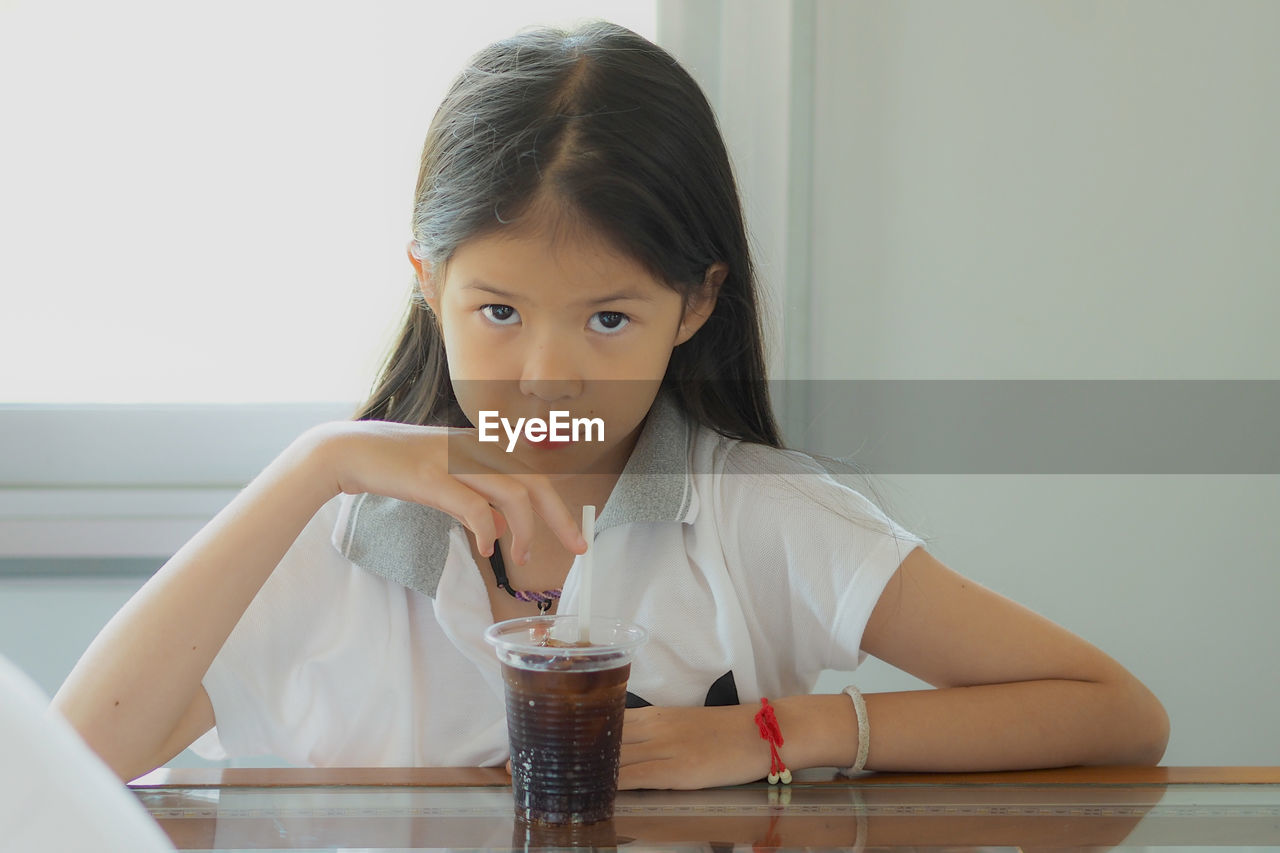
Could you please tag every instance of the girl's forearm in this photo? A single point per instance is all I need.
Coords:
(131, 687)
(1014, 726)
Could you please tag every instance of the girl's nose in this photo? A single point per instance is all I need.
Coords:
(551, 372)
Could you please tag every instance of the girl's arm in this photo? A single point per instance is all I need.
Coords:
(136, 681)
(136, 696)
(1016, 692)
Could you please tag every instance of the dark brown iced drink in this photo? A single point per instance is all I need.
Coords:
(565, 703)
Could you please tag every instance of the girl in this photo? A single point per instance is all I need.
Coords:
(578, 247)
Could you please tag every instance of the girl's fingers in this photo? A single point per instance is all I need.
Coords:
(515, 489)
(644, 751)
(519, 497)
(548, 504)
(469, 507)
(499, 522)
(635, 725)
(512, 500)
(651, 774)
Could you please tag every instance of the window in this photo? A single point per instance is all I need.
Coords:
(205, 210)
(209, 202)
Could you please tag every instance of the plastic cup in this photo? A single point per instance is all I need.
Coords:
(565, 703)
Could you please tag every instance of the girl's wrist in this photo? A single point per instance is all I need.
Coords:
(820, 730)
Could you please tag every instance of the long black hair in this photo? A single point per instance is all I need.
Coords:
(607, 129)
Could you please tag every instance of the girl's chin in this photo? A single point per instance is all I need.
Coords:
(566, 460)
(548, 443)
(549, 457)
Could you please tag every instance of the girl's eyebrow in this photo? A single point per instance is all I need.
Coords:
(634, 295)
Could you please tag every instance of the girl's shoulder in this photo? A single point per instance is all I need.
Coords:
(784, 488)
(752, 467)
(762, 460)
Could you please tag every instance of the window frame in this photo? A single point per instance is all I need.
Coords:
(118, 481)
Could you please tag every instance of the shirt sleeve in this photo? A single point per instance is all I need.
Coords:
(273, 684)
(812, 554)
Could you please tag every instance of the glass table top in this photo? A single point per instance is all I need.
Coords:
(749, 817)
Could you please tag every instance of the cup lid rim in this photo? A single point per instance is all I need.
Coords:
(504, 635)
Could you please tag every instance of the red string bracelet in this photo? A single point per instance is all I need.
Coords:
(769, 730)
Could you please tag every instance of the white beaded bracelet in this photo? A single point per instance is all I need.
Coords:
(864, 741)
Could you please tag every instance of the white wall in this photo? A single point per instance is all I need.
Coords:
(1069, 190)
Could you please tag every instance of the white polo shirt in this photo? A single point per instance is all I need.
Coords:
(751, 568)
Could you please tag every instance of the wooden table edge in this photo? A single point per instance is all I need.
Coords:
(274, 777)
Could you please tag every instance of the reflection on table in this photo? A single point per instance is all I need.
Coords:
(398, 809)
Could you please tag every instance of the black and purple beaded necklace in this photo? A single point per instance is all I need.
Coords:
(543, 599)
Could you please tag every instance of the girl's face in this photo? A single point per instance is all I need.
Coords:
(535, 322)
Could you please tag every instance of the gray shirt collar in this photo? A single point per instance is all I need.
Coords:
(408, 543)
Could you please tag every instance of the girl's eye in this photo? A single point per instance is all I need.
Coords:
(500, 315)
(610, 321)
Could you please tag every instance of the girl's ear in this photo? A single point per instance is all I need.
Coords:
(426, 282)
(700, 305)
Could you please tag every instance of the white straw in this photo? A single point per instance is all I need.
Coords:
(584, 584)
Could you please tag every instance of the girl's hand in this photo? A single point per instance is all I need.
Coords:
(690, 748)
(477, 483)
